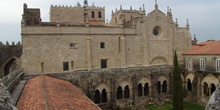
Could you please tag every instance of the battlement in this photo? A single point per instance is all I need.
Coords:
(12, 44)
(76, 6)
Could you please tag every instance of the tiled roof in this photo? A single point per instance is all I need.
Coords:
(45, 92)
(205, 48)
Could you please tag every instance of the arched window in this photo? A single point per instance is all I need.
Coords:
(146, 89)
(97, 97)
(126, 92)
(158, 86)
(212, 88)
(93, 14)
(205, 89)
(189, 85)
(119, 92)
(140, 89)
(104, 96)
(100, 14)
(164, 87)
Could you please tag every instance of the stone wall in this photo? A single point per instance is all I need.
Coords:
(8, 52)
(112, 79)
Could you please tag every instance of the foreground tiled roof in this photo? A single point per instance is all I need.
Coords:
(47, 93)
(205, 48)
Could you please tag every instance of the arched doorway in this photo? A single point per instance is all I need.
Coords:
(127, 92)
(158, 86)
(97, 97)
(213, 88)
(119, 92)
(104, 96)
(164, 87)
(140, 89)
(205, 89)
(189, 85)
(146, 89)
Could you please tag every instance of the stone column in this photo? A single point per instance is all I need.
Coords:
(122, 93)
(161, 89)
(150, 89)
(123, 53)
(142, 91)
(88, 55)
(202, 90)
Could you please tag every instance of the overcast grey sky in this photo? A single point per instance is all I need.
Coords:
(203, 15)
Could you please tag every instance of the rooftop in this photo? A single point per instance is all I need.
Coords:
(45, 92)
(210, 47)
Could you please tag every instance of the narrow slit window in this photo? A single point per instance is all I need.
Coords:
(100, 15)
(93, 14)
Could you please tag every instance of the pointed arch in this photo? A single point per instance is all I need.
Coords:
(5, 68)
(97, 96)
(139, 89)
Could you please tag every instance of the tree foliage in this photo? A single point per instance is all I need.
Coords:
(177, 86)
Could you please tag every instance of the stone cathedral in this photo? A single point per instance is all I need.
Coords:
(125, 62)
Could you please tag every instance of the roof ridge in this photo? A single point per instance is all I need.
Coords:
(45, 95)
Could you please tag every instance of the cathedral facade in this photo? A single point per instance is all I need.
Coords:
(125, 62)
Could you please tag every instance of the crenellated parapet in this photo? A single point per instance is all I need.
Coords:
(12, 44)
(77, 13)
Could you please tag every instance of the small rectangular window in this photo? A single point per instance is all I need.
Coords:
(103, 63)
(102, 44)
(65, 66)
(218, 65)
(202, 64)
(73, 45)
(188, 63)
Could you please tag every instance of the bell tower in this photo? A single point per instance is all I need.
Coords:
(85, 3)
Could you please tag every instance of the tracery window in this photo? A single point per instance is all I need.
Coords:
(202, 64)
(218, 65)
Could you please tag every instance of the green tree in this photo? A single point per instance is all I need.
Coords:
(177, 86)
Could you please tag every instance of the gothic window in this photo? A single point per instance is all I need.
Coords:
(164, 87)
(100, 14)
(93, 14)
(202, 64)
(65, 66)
(119, 92)
(158, 86)
(205, 89)
(104, 96)
(140, 89)
(97, 97)
(127, 92)
(218, 65)
(189, 85)
(103, 63)
(146, 89)
(212, 88)
(102, 44)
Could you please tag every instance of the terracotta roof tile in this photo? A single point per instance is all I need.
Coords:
(205, 48)
(57, 93)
